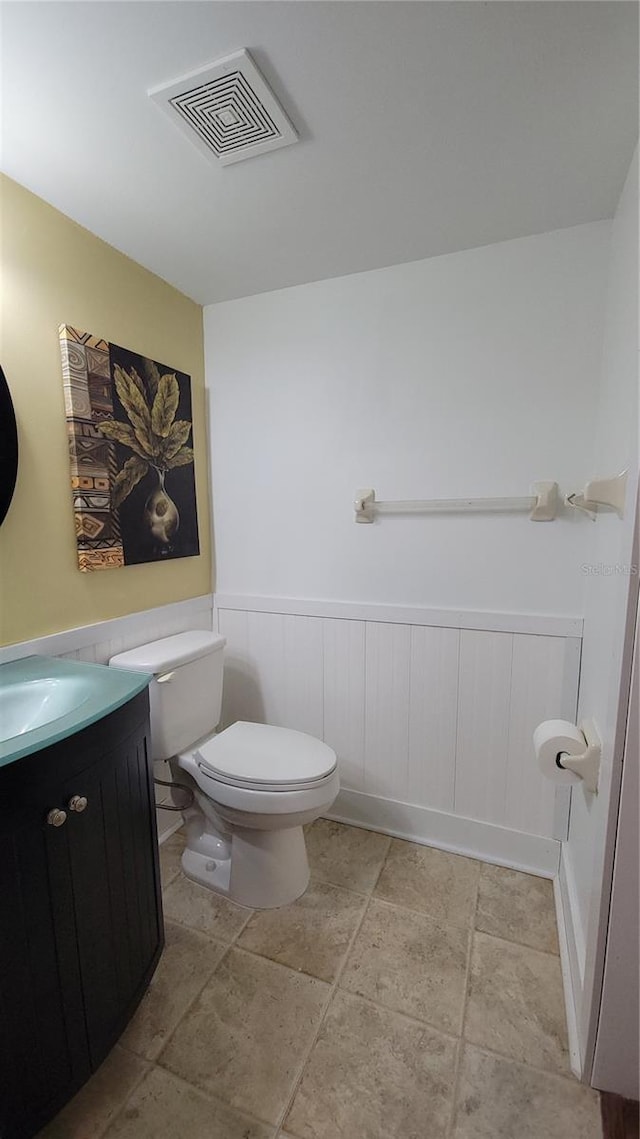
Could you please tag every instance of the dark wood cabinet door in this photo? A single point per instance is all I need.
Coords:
(80, 921)
(43, 1043)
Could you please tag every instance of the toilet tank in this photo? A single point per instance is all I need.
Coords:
(186, 691)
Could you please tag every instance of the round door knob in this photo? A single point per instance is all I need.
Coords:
(77, 803)
(56, 817)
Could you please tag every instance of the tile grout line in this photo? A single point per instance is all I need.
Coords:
(227, 942)
(428, 915)
(165, 885)
(336, 886)
(415, 1020)
(565, 1075)
(146, 1068)
(458, 1065)
(241, 1113)
(332, 991)
(520, 944)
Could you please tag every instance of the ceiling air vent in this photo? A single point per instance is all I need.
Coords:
(227, 110)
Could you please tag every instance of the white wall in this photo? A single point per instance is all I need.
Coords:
(607, 598)
(473, 373)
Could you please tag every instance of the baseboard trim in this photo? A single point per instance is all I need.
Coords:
(548, 625)
(165, 830)
(572, 957)
(533, 854)
(575, 1058)
(571, 918)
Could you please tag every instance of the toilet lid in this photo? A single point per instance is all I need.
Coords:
(263, 755)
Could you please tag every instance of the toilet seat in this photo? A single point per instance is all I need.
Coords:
(269, 788)
(265, 758)
(258, 799)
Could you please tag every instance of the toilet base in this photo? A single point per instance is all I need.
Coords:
(210, 872)
(267, 868)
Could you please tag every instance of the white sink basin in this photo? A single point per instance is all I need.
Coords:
(30, 704)
(44, 700)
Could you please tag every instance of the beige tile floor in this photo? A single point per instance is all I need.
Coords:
(410, 994)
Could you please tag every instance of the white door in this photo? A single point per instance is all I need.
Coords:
(616, 1065)
(611, 595)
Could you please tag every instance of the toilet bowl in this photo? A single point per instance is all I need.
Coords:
(254, 786)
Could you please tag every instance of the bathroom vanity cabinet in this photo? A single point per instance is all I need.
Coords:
(81, 925)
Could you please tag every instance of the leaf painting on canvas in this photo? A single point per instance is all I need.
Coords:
(137, 414)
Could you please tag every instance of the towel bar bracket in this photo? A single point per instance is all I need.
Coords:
(604, 493)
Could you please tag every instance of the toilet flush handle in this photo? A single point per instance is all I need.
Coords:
(165, 678)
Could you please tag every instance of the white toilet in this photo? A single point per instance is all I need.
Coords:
(254, 786)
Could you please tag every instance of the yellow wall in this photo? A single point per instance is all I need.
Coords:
(54, 272)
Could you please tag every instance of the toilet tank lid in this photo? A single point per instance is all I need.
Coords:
(169, 652)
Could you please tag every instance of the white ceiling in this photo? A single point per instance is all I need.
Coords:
(425, 128)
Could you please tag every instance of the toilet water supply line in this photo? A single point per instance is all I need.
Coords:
(181, 787)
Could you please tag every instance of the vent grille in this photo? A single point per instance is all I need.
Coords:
(227, 110)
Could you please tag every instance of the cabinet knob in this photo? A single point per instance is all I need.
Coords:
(77, 803)
(56, 817)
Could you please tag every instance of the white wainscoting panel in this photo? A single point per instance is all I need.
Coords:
(429, 722)
(484, 682)
(241, 695)
(386, 738)
(265, 645)
(344, 703)
(433, 716)
(304, 674)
